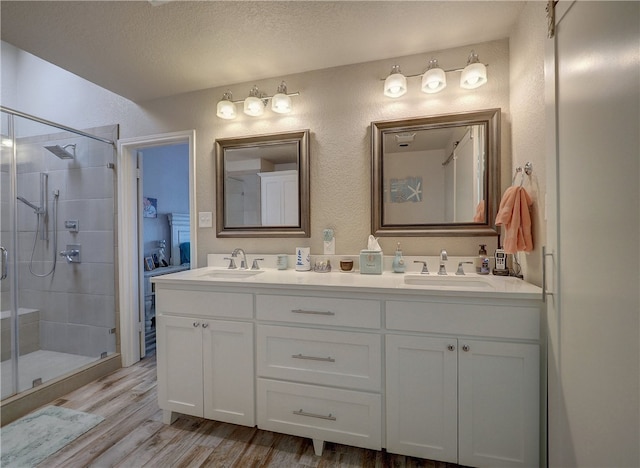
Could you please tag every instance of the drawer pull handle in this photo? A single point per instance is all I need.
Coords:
(314, 415)
(313, 358)
(312, 312)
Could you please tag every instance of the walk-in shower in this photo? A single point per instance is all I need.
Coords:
(57, 307)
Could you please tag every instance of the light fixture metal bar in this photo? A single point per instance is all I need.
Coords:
(446, 71)
(266, 98)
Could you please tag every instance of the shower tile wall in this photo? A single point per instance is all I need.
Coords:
(77, 303)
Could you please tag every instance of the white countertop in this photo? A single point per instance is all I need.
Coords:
(487, 286)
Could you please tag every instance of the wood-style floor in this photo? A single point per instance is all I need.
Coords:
(133, 435)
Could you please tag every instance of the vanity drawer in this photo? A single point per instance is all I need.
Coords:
(327, 357)
(319, 310)
(326, 414)
(496, 321)
(204, 303)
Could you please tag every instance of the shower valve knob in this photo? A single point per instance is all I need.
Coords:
(72, 254)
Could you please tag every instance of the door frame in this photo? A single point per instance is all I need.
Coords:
(129, 267)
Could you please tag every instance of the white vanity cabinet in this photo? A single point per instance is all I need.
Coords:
(444, 375)
(470, 399)
(205, 364)
(318, 376)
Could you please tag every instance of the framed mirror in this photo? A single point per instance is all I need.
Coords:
(262, 185)
(435, 176)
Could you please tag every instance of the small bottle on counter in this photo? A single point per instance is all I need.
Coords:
(484, 260)
(399, 265)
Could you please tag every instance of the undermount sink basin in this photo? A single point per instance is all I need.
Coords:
(448, 281)
(231, 274)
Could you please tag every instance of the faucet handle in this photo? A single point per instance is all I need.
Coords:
(254, 265)
(460, 270)
(425, 270)
(232, 263)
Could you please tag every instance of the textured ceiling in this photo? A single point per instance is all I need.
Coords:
(142, 52)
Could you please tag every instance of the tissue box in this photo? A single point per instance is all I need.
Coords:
(370, 262)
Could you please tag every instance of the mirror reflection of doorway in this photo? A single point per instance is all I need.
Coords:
(165, 183)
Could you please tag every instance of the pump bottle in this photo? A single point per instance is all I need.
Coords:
(399, 265)
(484, 260)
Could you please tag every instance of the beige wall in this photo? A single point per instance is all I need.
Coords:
(526, 85)
(337, 105)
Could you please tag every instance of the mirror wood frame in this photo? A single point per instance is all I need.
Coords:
(490, 118)
(301, 138)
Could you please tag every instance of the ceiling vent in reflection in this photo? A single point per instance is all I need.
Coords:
(404, 139)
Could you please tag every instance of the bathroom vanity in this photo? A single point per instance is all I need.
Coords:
(446, 369)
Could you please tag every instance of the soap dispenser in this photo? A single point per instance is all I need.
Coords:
(399, 265)
(484, 260)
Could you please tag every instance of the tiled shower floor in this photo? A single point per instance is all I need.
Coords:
(46, 365)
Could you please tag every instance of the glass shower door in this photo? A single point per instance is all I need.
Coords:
(7, 284)
(58, 226)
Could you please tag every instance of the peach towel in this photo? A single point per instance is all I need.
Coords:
(479, 216)
(515, 216)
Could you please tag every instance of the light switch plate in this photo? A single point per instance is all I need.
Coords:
(205, 220)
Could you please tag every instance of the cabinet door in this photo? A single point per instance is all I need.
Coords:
(228, 372)
(498, 388)
(422, 398)
(179, 356)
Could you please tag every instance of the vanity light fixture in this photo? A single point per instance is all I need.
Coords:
(257, 101)
(254, 105)
(396, 83)
(474, 74)
(434, 78)
(281, 102)
(226, 109)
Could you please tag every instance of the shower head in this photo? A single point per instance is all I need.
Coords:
(61, 151)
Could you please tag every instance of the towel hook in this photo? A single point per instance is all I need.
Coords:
(528, 170)
(518, 170)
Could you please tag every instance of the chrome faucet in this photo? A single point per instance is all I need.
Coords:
(425, 270)
(443, 258)
(243, 261)
(461, 268)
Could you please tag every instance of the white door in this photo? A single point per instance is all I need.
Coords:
(228, 372)
(422, 398)
(498, 403)
(593, 71)
(179, 355)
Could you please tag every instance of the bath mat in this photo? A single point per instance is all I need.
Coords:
(31, 439)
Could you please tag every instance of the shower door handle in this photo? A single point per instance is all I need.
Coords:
(3, 268)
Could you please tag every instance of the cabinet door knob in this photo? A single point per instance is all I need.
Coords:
(196, 324)
(205, 325)
(451, 347)
(465, 348)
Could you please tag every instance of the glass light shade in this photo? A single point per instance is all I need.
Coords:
(281, 103)
(473, 76)
(433, 80)
(226, 109)
(253, 106)
(396, 83)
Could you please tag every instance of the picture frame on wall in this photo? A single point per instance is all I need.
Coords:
(148, 264)
(149, 207)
